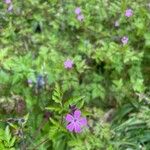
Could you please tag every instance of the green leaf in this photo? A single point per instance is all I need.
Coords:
(7, 134)
(57, 95)
(74, 101)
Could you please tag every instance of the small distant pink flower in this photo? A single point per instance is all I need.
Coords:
(80, 17)
(75, 121)
(124, 40)
(77, 10)
(68, 64)
(128, 13)
(7, 1)
(116, 24)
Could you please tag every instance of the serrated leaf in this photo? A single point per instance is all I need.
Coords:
(73, 101)
(57, 94)
(7, 134)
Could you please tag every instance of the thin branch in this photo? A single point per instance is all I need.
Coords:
(37, 146)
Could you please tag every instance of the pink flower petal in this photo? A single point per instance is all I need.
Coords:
(83, 121)
(10, 8)
(7, 1)
(70, 127)
(77, 114)
(69, 118)
(80, 17)
(68, 64)
(77, 128)
(128, 13)
(77, 10)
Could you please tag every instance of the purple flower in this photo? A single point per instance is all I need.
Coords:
(80, 17)
(40, 81)
(128, 13)
(77, 10)
(10, 8)
(72, 108)
(124, 40)
(68, 64)
(7, 1)
(75, 122)
(116, 24)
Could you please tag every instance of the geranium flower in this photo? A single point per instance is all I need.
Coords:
(128, 13)
(10, 8)
(75, 121)
(80, 17)
(7, 1)
(68, 64)
(77, 10)
(124, 40)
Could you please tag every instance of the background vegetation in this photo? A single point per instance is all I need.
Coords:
(109, 80)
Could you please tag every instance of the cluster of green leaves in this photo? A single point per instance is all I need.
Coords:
(6, 139)
(132, 127)
(37, 36)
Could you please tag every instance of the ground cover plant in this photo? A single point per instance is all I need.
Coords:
(74, 75)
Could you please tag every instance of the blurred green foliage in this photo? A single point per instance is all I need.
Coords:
(109, 81)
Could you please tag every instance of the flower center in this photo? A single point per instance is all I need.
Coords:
(75, 120)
